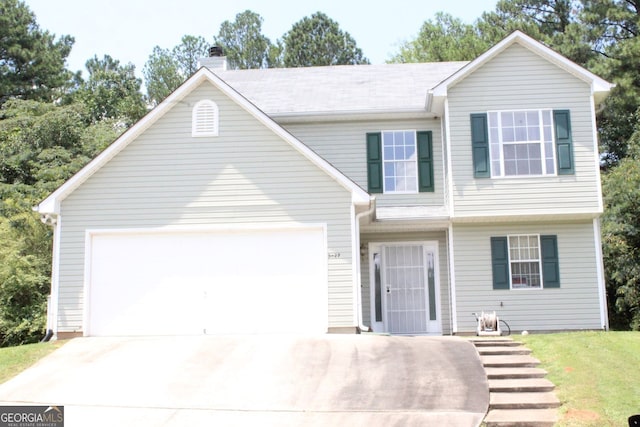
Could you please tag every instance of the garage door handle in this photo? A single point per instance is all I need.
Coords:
(388, 289)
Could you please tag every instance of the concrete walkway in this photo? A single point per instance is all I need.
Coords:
(354, 380)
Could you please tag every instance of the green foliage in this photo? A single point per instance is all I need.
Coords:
(244, 44)
(25, 271)
(621, 238)
(112, 91)
(188, 52)
(166, 69)
(445, 39)
(32, 62)
(318, 40)
(162, 75)
(41, 146)
(614, 27)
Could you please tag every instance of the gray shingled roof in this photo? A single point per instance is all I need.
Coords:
(340, 89)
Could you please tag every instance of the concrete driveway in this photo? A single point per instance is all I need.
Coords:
(258, 380)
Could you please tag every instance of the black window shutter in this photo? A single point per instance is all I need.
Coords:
(564, 143)
(425, 161)
(550, 263)
(480, 145)
(374, 162)
(500, 262)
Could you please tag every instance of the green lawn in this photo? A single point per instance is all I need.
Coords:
(597, 374)
(14, 360)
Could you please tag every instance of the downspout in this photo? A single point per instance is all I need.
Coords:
(358, 275)
(52, 220)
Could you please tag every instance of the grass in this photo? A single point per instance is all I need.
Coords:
(14, 360)
(597, 375)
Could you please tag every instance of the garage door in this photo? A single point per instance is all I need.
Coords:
(175, 283)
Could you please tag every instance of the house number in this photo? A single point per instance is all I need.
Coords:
(334, 255)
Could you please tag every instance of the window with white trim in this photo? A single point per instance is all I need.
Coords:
(205, 119)
(399, 158)
(521, 143)
(524, 261)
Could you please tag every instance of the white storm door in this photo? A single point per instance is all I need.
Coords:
(405, 296)
(405, 290)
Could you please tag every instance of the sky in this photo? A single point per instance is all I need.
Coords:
(128, 30)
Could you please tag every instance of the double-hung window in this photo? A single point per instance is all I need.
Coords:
(400, 162)
(525, 261)
(399, 155)
(521, 143)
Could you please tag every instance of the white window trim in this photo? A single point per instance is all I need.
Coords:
(539, 263)
(384, 160)
(542, 144)
(196, 117)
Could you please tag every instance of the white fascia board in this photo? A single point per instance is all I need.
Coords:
(598, 85)
(52, 203)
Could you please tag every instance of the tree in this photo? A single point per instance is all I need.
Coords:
(553, 22)
(445, 39)
(32, 62)
(621, 238)
(614, 27)
(166, 69)
(162, 75)
(244, 44)
(41, 146)
(112, 91)
(318, 40)
(188, 53)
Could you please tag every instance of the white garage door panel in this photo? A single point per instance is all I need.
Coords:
(212, 282)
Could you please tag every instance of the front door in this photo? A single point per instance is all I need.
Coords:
(404, 288)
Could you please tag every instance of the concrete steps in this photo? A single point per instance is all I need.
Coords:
(519, 393)
(509, 373)
(521, 385)
(521, 417)
(503, 351)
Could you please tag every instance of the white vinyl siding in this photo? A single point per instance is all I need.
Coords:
(343, 144)
(166, 178)
(420, 236)
(518, 79)
(575, 305)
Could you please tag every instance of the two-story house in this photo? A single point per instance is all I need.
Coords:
(398, 197)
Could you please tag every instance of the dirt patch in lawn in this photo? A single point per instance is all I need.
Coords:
(581, 415)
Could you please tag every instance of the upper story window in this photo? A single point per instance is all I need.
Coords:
(400, 162)
(521, 143)
(399, 155)
(205, 119)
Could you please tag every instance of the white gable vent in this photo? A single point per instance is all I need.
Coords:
(205, 119)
